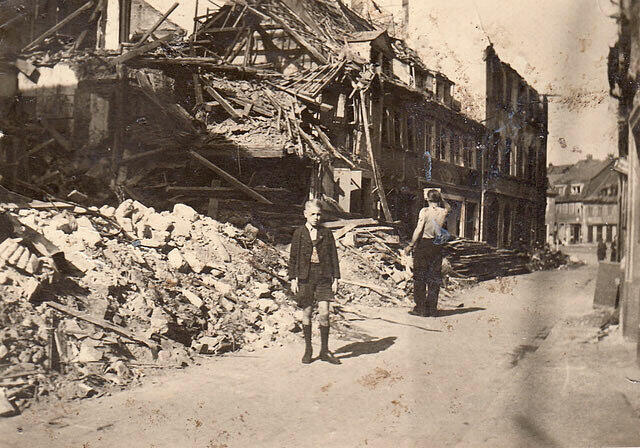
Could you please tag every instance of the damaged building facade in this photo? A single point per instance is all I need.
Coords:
(263, 105)
(515, 179)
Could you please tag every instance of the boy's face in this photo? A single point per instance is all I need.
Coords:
(313, 215)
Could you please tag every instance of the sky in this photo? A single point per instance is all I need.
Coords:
(560, 46)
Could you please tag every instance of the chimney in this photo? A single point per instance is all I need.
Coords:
(405, 9)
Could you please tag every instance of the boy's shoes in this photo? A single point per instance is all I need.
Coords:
(419, 311)
(328, 357)
(306, 358)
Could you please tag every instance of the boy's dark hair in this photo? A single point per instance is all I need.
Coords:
(434, 197)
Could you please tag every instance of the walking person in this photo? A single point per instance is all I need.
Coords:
(614, 250)
(426, 246)
(314, 271)
(601, 250)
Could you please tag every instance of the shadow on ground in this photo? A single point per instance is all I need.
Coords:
(444, 313)
(356, 349)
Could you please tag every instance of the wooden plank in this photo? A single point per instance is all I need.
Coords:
(374, 165)
(229, 178)
(198, 89)
(343, 231)
(345, 222)
(58, 26)
(140, 50)
(174, 109)
(300, 40)
(143, 155)
(259, 109)
(94, 17)
(223, 102)
(155, 26)
(327, 143)
(62, 141)
(102, 324)
(307, 99)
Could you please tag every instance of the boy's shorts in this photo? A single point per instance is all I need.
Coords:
(315, 289)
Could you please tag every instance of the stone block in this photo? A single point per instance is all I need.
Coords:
(185, 212)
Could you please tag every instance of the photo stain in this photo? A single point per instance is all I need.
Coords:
(377, 377)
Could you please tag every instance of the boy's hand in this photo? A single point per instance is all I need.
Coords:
(334, 285)
(294, 286)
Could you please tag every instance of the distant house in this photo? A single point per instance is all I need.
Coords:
(583, 202)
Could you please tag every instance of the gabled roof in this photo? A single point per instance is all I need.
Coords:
(606, 178)
(582, 171)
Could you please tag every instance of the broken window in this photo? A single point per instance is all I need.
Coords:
(411, 134)
(438, 138)
(506, 157)
(397, 130)
(428, 131)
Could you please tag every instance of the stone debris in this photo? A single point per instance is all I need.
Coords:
(122, 303)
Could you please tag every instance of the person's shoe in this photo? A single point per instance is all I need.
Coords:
(307, 357)
(325, 354)
(417, 311)
(328, 357)
(308, 349)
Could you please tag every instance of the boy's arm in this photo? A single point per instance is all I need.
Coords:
(417, 233)
(335, 263)
(447, 207)
(293, 255)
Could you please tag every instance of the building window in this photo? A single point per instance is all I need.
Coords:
(437, 138)
(385, 126)
(428, 137)
(576, 189)
(453, 147)
(443, 143)
(466, 152)
(506, 157)
(397, 131)
(411, 134)
(507, 88)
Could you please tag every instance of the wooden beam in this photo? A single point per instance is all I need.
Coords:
(143, 155)
(102, 324)
(62, 141)
(140, 50)
(94, 17)
(197, 87)
(155, 26)
(347, 222)
(374, 165)
(223, 102)
(307, 99)
(245, 103)
(300, 40)
(229, 178)
(174, 109)
(327, 143)
(58, 26)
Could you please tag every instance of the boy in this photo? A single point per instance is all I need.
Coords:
(427, 256)
(314, 272)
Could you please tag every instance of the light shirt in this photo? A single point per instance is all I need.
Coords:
(434, 220)
(313, 233)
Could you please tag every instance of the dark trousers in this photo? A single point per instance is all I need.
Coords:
(427, 273)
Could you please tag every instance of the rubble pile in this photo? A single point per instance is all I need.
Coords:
(149, 289)
(545, 258)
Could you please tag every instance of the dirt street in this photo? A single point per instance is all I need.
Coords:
(515, 365)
